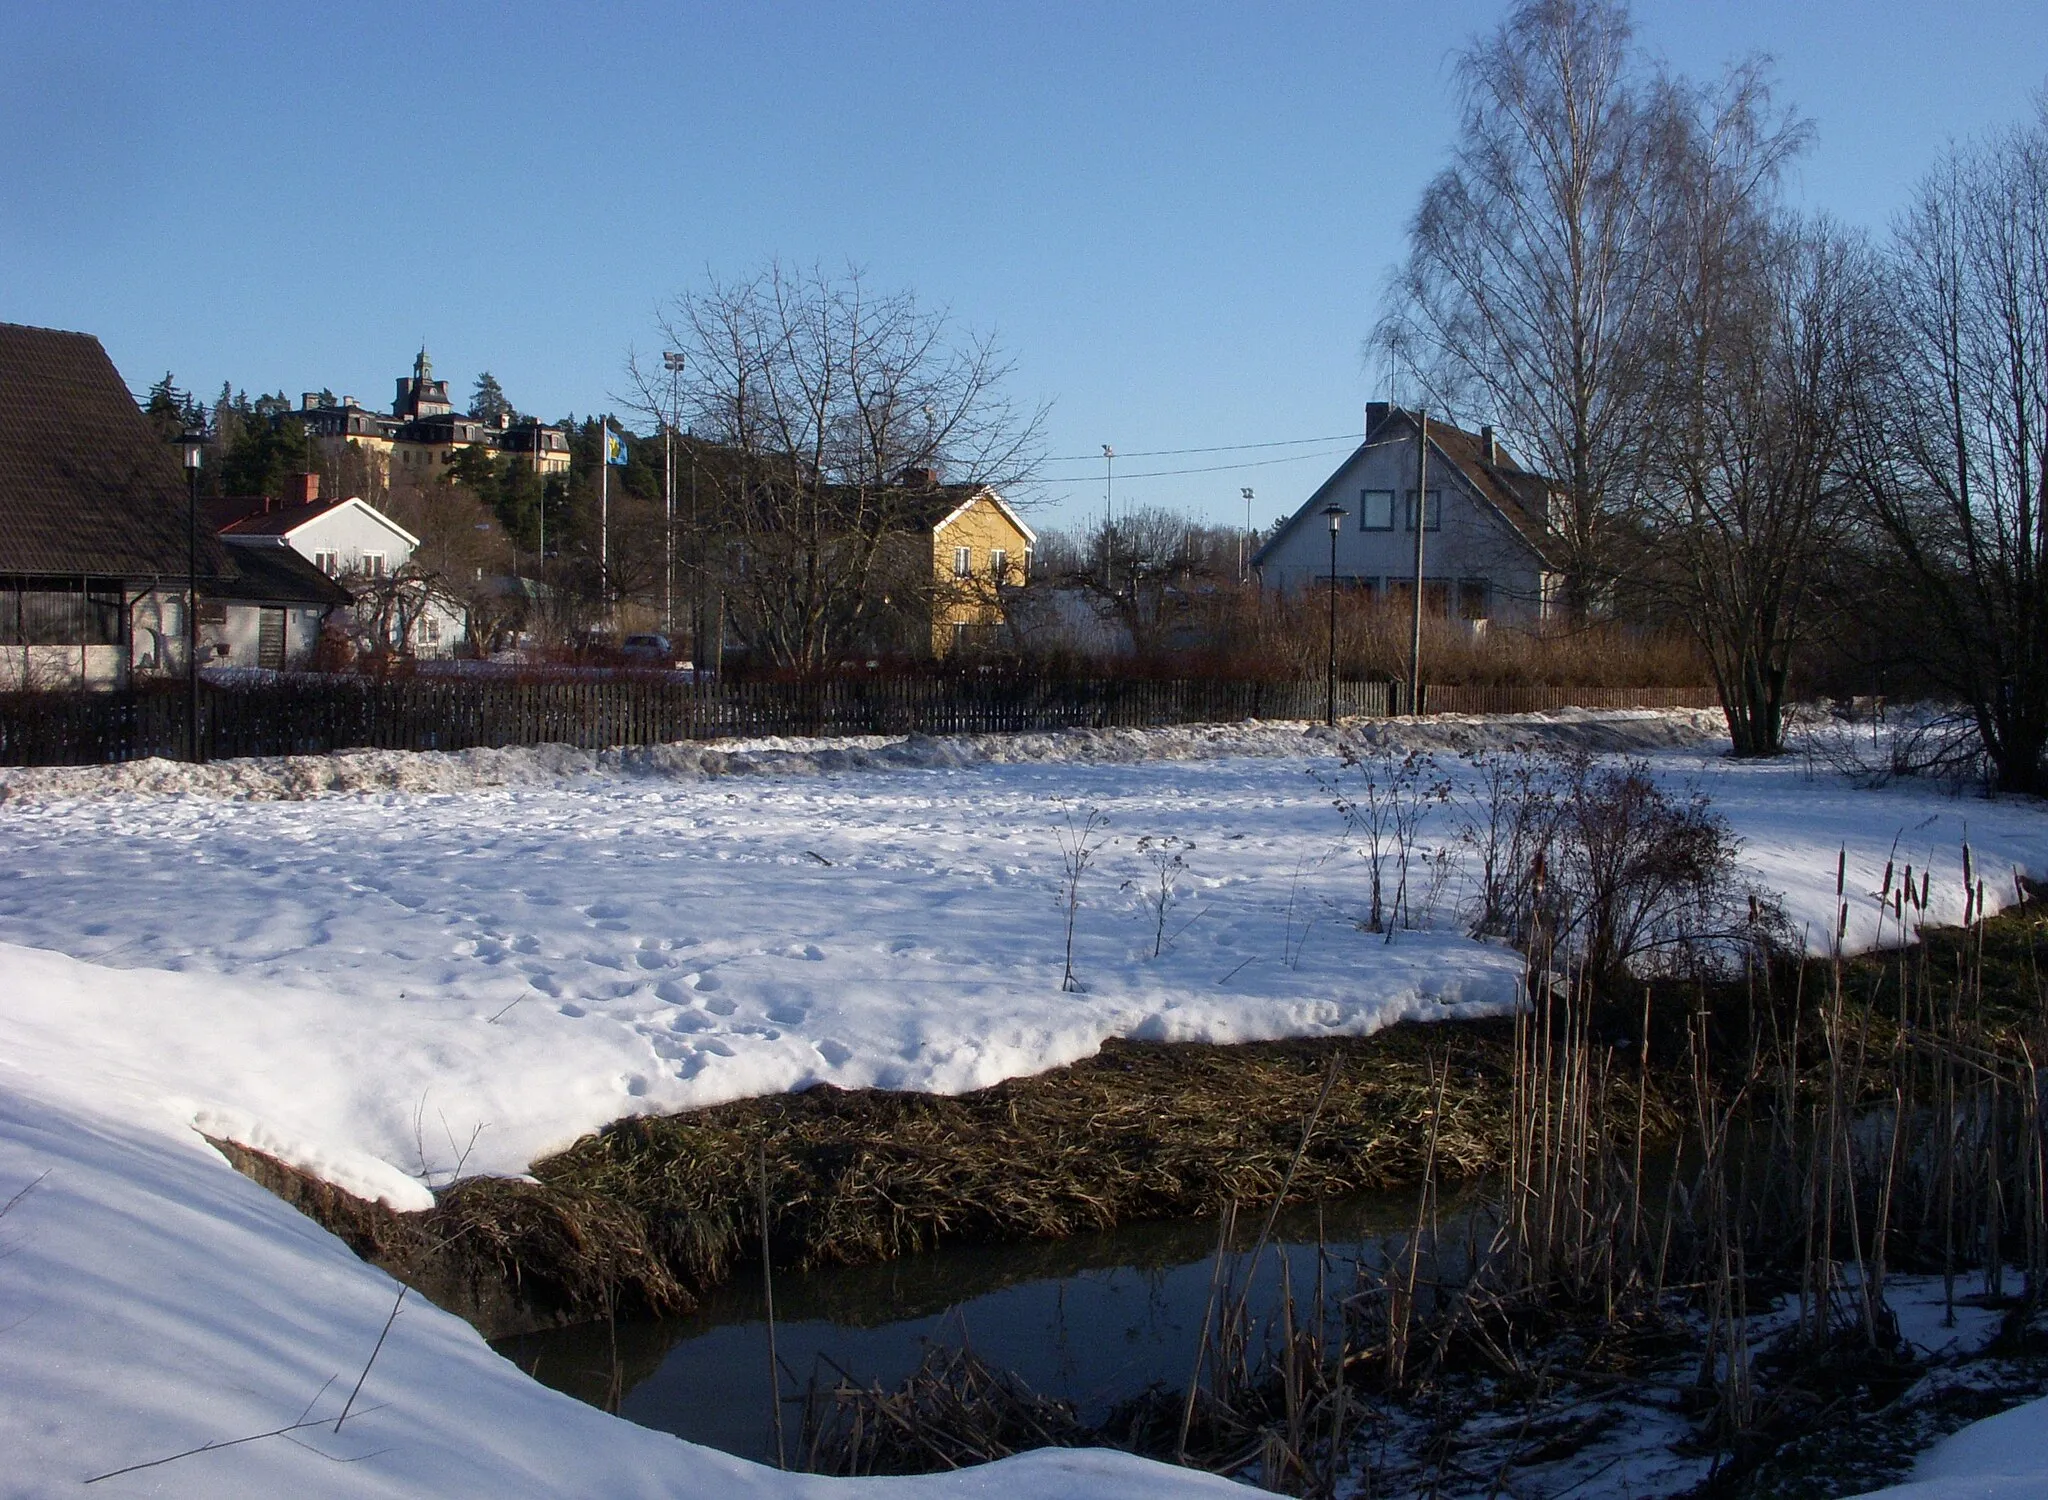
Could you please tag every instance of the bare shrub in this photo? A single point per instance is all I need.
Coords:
(1394, 793)
(1511, 815)
(1079, 844)
(1642, 883)
(1873, 747)
(1167, 854)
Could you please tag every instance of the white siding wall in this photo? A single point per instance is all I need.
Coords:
(350, 531)
(1475, 541)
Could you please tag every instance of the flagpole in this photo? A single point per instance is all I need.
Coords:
(604, 514)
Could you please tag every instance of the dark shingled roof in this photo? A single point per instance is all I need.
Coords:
(86, 487)
(278, 575)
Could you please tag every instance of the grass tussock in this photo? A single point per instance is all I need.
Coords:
(643, 1215)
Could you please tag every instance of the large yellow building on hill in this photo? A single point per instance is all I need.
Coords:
(415, 442)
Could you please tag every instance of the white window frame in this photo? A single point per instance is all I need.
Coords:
(998, 563)
(963, 562)
(372, 564)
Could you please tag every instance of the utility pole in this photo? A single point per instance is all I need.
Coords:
(1421, 525)
(1108, 515)
(673, 362)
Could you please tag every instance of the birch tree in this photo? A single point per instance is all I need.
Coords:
(1953, 441)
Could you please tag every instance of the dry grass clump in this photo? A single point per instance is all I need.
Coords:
(650, 1211)
(507, 1255)
(1141, 1131)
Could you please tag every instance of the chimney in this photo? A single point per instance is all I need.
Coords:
(1492, 448)
(1375, 413)
(309, 401)
(918, 478)
(302, 489)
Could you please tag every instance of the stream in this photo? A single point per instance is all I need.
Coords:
(1092, 1320)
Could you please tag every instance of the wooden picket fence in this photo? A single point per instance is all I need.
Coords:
(313, 715)
(299, 715)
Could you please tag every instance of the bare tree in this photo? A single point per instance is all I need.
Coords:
(838, 413)
(1757, 343)
(1530, 280)
(1953, 441)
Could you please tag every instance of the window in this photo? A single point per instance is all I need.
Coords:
(1436, 596)
(373, 564)
(1376, 510)
(998, 564)
(963, 562)
(1471, 598)
(327, 562)
(1433, 515)
(63, 613)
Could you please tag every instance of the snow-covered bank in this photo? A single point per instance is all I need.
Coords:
(292, 777)
(2000, 1458)
(381, 985)
(153, 1301)
(363, 984)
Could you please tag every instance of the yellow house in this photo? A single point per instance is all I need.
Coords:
(980, 547)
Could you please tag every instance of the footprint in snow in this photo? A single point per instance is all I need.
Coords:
(721, 1007)
(788, 1015)
(648, 959)
(836, 1054)
(572, 1011)
(705, 983)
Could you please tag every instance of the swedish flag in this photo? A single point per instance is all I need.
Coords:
(614, 448)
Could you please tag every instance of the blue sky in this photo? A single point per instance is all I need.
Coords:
(1177, 217)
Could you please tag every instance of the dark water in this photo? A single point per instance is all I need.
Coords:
(1093, 1320)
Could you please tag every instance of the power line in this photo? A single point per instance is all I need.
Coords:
(1257, 463)
(1094, 458)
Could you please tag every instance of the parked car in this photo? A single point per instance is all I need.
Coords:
(648, 651)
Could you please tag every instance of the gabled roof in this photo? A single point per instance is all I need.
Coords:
(967, 495)
(1519, 497)
(278, 575)
(87, 489)
(285, 520)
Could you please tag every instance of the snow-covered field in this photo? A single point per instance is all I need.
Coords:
(382, 968)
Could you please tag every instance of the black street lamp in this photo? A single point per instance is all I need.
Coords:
(193, 443)
(1335, 514)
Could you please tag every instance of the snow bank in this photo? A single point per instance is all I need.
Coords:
(153, 1301)
(294, 777)
(2000, 1458)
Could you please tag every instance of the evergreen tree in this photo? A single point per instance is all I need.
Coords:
(170, 410)
(488, 401)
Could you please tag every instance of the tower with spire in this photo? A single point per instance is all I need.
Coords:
(420, 394)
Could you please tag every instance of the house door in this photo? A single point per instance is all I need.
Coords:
(270, 640)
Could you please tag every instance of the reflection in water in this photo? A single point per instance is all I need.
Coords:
(1092, 1320)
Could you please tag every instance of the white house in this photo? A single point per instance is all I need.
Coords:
(354, 542)
(1485, 526)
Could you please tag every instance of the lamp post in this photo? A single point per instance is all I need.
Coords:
(672, 361)
(1244, 546)
(193, 445)
(1335, 515)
